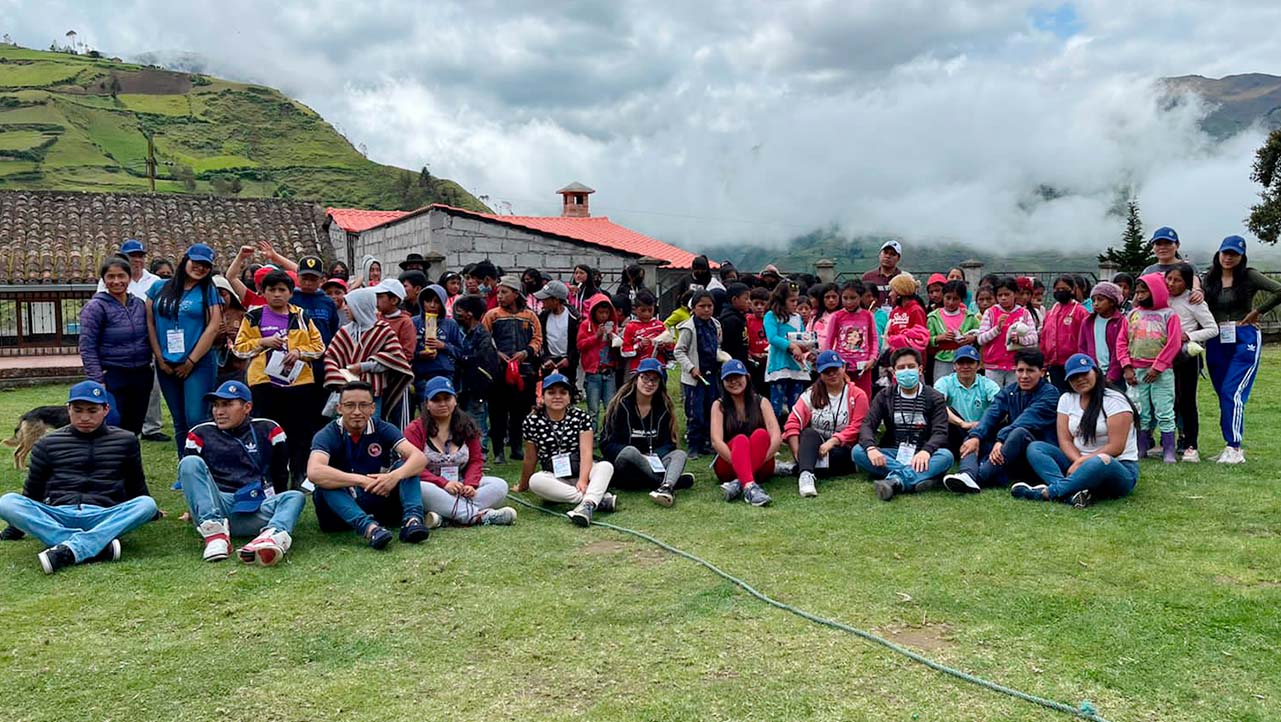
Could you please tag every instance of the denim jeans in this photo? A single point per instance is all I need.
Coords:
(205, 501)
(600, 389)
(186, 398)
(1109, 480)
(1014, 449)
(478, 410)
(357, 508)
(84, 528)
(698, 415)
(783, 394)
(940, 462)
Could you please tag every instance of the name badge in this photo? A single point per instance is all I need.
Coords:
(449, 472)
(655, 464)
(268, 491)
(905, 454)
(823, 462)
(1228, 332)
(561, 468)
(175, 341)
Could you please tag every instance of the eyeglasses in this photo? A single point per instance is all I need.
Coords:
(357, 406)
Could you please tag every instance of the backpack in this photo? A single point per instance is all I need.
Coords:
(480, 363)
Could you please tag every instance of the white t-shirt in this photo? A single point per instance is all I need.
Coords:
(557, 332)
(1113, 403)
(137, 288)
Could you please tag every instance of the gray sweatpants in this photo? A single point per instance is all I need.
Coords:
(632, 469)
(460, 510)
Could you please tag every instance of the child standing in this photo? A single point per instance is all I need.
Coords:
(828, 298)
(738, 306)
(879, 312)
(1154, 337)
(1199, 327)
(598, 356)
(757, 344)
(1101, 330)
(1005, 327)
(852, 334)
(478, 361)
(787, 371)
(1061, 332)
(906, 327)
(950, 326)
(519, 338)
(640, 332)
(698, 342)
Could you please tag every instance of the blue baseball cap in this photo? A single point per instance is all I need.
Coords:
(651, 365)
(230, 390)
(90, 391)
(440, 385)
(132, 246)
(1236, 244)
(967, 353)
(733, 367)
(248, 498)
(556, 379)
(201, 253)
(1164, 233)
(1078, 364)
(829, 360)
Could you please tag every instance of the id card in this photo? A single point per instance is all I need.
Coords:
(1228, 332)
(449, 472)
(268, 491)
(175, 342)
(905, 454)
(655, 464)
(561, 468)
(823, 462)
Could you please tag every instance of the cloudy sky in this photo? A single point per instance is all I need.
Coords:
(735, 121)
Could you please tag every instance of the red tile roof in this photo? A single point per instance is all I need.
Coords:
(355, 220)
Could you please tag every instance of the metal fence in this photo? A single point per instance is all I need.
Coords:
(41, 319)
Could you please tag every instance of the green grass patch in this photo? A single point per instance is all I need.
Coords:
(103, 102)
(116, 134)
(10, 166)
(21, 139)
(174, 105)
(36, 74)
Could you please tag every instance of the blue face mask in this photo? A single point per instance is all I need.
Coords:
(907, 378)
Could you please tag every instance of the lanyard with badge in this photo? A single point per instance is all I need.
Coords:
(449, 472)
(1228, 332)
(840, 405)
(655, 463)
(562, 466)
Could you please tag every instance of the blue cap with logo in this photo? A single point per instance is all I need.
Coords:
(968, 353)
(132, 246)
(556, 380)
(90, 391)
(829, 360)
(248, 498)
(733, 367)
(651, 365)
(201, 253)
(440, 385)
(1164, 233)
(1236, 244)
(230, 390)
(1078, 364)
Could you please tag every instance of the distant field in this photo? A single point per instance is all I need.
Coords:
(21, 139)
(36, 75)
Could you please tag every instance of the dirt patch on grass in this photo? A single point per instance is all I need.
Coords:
(145, 82)
(642, 555)
(930, 637)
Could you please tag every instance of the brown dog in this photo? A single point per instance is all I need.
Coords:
(33, 425)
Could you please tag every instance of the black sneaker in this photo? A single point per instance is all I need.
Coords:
(517, 455)
(1082, 499)
(886, 488)
(109, 553)
(684, 481)
(377, 537)
(925, 485)
(664, 495)
(157, 436)
(11, 533)
(55, 558)
(499, 458)
(608, 503)
(581, 515)
(414, 531)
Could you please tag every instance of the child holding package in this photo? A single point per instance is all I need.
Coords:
(852, 334)
(950, 327)
(1147, 353)
(1005, 328)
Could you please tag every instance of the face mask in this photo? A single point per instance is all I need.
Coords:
(483, 289)
(907, 378)
(1063, 296)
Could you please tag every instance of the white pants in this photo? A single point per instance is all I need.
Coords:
(563, 491)
(461, 510)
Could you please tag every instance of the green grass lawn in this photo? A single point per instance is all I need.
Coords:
(1163, 606)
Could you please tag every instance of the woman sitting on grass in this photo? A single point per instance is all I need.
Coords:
(1097, 455)
(745, 437)
(823, 426)
(639, 436)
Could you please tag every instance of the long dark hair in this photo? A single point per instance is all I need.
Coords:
(171, 294)
(662, 402)
(778, 300)
(733, 426)
(818, 393)
(1212, 284)
(1086, 432)
(589, 287)
(462, 428)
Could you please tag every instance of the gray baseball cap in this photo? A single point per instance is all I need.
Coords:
(553, 289)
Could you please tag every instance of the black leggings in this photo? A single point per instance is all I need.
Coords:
(838, 459)
(132, 389)
(507, 411)
(1186, 374)
(292, 408)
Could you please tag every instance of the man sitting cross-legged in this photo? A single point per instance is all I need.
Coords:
(235, 475)
(85, 486)
(358, 485)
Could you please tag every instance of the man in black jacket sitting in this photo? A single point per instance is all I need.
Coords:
(85, 486)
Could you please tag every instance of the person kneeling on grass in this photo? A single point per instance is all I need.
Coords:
(358, 485)
(823, 426)
(639, 436)
(85, 487)
(912, 453)
(1097, 455)
(452, 483)
(235, 476)
(745, 436)
(558, 438)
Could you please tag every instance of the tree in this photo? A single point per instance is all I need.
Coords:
(1265, 216)
(1132, 257)
(185, 174)
(424, 178)
(71, 38)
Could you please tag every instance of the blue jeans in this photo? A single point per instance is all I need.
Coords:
(205, 501)
(84, 528)
(600, 389)
(1109, 480)
(698, 416)
(479, 411)
(1014, 449)
(186, 397)
(783, 394)
(357, 508)
(940, 462)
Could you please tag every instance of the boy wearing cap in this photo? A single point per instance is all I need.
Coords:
(391, 294)
(85, 486)
(560, 330)
(968, 396)
(235, 477)
(311, 298)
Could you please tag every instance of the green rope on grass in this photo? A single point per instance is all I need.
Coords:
(1085, 711)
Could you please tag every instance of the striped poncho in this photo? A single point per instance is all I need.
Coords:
(368, 338)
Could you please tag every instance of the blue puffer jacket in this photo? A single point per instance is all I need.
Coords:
(113, 335)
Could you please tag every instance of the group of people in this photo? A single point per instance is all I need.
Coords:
(389, 400)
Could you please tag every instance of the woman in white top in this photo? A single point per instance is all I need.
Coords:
(1097, 455)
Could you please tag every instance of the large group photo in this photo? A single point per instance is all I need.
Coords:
(277, 456)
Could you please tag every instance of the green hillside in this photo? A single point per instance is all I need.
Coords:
(73, 122)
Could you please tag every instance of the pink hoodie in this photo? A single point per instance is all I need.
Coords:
(1155, 334)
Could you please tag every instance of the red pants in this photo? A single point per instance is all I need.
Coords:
(749, 459)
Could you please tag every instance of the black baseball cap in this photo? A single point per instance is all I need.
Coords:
(311, 265)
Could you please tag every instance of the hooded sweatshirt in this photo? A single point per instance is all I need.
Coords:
(1155, 334)
(596, 353)
(651, 434)
(1061, 332)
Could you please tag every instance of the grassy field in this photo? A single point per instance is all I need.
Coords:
(1164, 606)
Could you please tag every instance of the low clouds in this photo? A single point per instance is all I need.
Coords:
(721, 122)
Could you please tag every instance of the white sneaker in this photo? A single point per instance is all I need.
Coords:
(503, 516)
(1237, 456)
(1223, 455)
(433, 520)
(267, 548)
(1191, 456)
(784, 468)
(961, 483)
(806, 484)
(217, 539)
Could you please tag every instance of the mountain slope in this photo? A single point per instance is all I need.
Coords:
(1239, 100)
(72, 122)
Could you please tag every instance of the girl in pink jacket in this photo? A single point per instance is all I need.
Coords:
(1146, 352)
(1004, 329)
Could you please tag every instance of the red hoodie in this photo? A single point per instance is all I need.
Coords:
(596, 352)
(906, 327)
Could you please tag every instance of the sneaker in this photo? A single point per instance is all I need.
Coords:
(414, 531)
(505, 516)
(377, 537)
(217, 539)
(267, 548)
(1191, 456)
(684, 481)
(961, 483)
(663, 496)
(806, 484)
(499, 458)
(1223, 455)
(1235, 456)
(1081, 499)
(753, 494)
(608, 503)
(434, 520)
(692, 455)
(109, 553)
(925, 485)
(157, 436)
(517, 455)
(11, 533)
(55, 558)
(885, 488)
(784, 468)
(733, 489)
(581, 515)
(1024, 490)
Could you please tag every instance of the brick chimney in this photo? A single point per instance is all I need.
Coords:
(575, 195)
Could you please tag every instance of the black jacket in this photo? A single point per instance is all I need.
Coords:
(573, 342)
(931, 437)
(626, 427)
(103, 468)
(734, 333)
